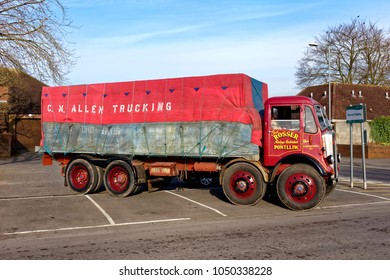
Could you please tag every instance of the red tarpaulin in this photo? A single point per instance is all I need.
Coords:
(229, 98)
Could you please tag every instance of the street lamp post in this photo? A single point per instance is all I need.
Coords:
(329, 90)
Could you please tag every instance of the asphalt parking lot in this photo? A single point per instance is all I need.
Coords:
(34, 200)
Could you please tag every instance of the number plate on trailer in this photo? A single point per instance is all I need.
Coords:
(163, 169)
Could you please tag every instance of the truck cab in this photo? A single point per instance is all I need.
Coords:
(298, 132)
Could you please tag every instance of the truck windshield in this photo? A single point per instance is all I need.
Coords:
(322, 118)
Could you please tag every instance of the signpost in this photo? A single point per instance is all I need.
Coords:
(357, 114)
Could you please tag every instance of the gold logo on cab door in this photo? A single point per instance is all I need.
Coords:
(285, 140)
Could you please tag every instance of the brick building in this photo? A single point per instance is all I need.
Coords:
(20, 108)
(376, 98)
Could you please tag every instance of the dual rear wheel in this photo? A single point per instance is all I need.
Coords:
(243, 184)
(84, 177)
(119, 179)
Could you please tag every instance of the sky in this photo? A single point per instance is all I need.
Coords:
(127, 40)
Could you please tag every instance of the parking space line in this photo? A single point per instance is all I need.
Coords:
(353, 205)
(365, 194)
(386, 200)
(360, 181)
(97, 226)
(39, 197)
(110, 220)
(201, 204)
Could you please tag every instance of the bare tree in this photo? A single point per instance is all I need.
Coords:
(354, 53)
(33, 38)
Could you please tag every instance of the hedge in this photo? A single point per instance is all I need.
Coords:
(380, 129)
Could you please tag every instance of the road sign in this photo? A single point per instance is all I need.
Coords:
(356, 113)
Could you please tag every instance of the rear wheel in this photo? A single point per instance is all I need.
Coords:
(100, 175)
(119, 179)
(243, 184)
(82, 176)
(300, 187)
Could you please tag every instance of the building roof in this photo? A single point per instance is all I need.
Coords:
(376, 98)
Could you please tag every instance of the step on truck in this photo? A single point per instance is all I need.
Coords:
(125, 135)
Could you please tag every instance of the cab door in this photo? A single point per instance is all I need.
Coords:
(311, 133)
(283, 132)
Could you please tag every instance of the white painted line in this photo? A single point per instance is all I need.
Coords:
(386, 200)
(97, 226)
(360, 181)
(352, 205)
(110, 220)
(40, 197)
(201, 204)
(365, 194)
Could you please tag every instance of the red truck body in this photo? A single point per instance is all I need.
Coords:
(123, 135)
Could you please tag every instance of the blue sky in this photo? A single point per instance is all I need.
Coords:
(119, 40)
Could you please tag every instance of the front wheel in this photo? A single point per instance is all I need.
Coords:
(300, 187)
(243, 184)
(330, 188)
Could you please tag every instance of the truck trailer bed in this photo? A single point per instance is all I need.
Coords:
(214, 116)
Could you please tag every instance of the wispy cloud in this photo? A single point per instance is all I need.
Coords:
(135, 38)
(205, 24)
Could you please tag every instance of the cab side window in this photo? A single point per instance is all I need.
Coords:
(310, 123)
(285, 117)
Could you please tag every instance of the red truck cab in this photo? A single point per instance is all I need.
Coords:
(299, 145)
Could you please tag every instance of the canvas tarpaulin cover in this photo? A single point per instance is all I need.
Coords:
(208, 116)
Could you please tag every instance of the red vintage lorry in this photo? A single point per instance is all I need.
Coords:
(125, 135)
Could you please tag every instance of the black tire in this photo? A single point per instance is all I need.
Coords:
(82, 176)
(300, 187)
(330, 189)
(243, 184)
(100, 175)
(119, 179)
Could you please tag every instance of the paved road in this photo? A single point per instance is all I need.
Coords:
(41, 219)
(377, 171)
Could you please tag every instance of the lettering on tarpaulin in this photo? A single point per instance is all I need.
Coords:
(145, 107)
(110, 131)
(115, 109)
(114, 131)
(86, 109)
(88, 129)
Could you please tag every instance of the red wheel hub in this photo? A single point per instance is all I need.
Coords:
(80, 177)
(243, 184)
(300, 187)
(118, 179)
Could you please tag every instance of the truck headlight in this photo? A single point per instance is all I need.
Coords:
(329, 159)
(328, 146)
